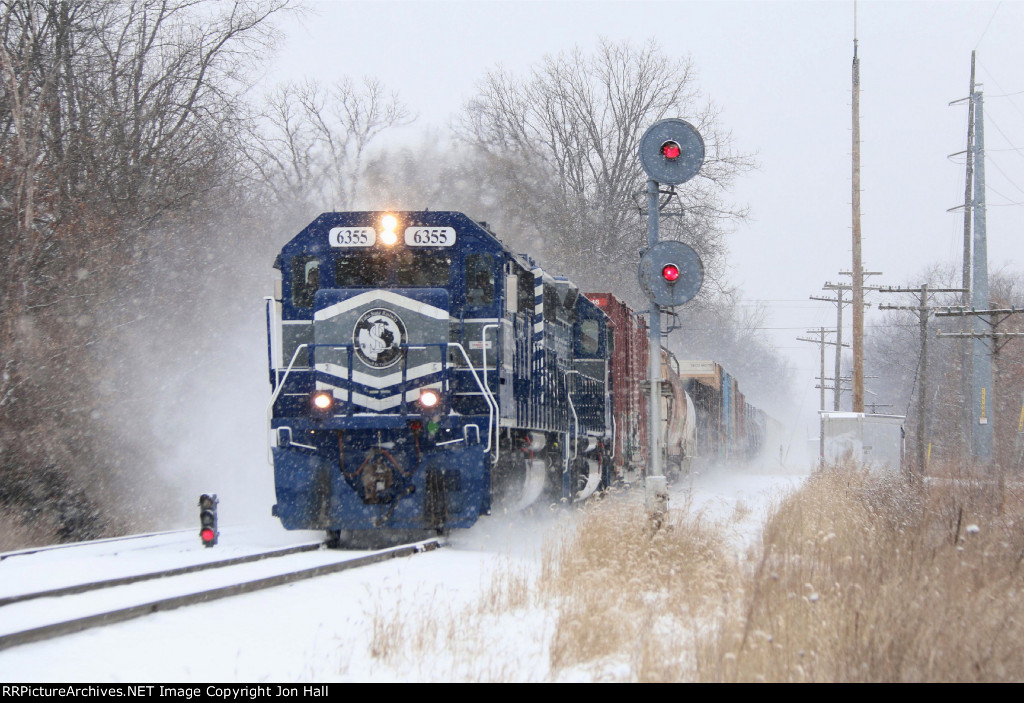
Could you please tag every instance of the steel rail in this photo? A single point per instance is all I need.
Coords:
(59, 629)
(138, 578)
(104, 540)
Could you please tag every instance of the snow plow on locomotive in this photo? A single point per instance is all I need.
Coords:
(424, 375)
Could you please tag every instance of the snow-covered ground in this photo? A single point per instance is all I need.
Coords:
(358, 625)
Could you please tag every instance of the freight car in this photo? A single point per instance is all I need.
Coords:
(423, 375)
(628, 340)
(729, 429)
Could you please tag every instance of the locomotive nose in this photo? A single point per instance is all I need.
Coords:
(382, 350)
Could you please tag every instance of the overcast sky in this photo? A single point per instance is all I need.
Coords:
(780, 71)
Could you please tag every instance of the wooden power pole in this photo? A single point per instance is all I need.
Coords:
(923, 312)
(858, 267)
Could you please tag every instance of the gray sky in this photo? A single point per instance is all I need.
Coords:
(780, 71)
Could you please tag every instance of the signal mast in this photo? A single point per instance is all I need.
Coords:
(671, 273)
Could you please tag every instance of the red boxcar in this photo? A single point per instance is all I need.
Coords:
(629, 371)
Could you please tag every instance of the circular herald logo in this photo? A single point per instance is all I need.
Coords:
(377, 337)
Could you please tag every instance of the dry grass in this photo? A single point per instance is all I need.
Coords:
(434, 639)
(613, 599)
(510, 589)
(867, 578)
(630, 594)
(861, 577)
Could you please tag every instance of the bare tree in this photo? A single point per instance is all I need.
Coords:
(578, 119)
(116, 121)
(310, 147)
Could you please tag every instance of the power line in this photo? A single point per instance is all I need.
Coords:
(1000, 130)
(985, 31)
(1011, 203)
(991, 161)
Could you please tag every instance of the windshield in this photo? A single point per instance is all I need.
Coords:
(400, 267)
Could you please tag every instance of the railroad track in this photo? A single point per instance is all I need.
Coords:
(35, 616)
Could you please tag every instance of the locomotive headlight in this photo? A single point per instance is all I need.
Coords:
(429, 399)
(388, 225)
(322, 400)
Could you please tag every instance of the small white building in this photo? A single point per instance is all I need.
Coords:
(875, 441)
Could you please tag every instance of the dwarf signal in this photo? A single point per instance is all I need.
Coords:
(208, 531)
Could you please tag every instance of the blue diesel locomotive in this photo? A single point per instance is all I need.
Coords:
(424, 375)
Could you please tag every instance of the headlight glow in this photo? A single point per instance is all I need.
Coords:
(429, 398)
(322, 400)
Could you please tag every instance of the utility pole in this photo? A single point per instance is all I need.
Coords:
(858, 268)
(923, 311)
(821, 342)
(840, 302)
(981, 446)
(965, 300)
(992, 341)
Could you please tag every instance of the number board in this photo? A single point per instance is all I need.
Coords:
(352, 237)
(429, 236)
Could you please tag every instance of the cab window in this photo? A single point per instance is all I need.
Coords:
(479, 279)
(526, 293)
(426, 269)
(305, 280)
(402, 267)
(362, 271)
(590, 337)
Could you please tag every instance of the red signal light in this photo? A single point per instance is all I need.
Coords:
(206, 535)
(670, 272)
(671, 150)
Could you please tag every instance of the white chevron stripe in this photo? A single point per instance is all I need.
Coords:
(383, 296)
(391, 379)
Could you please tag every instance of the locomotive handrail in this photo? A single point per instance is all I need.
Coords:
(492, 404)
(483, 358)
(483, 348)
(277, 392)
(291, 440)
(271, 324)
(575, 417)
(614, 430)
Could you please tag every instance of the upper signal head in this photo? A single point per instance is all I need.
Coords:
(671, 151)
